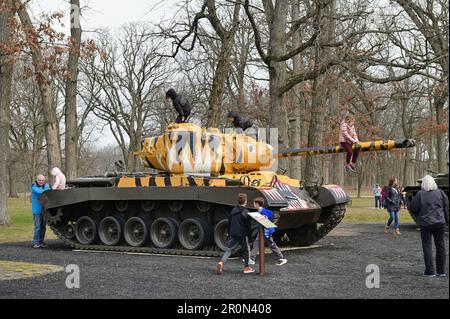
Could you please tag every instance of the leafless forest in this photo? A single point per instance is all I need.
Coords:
(298, 65)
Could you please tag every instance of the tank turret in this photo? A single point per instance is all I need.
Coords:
(189, 149)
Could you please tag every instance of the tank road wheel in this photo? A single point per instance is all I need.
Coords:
(175, 206)
(96, 206)
(221, 235)
(136, 231)
(193, 233)
(110, 230)
(163, 232)
(86, 230)
(203, 207)
(69, 231)
(121, 206)
(147, 206)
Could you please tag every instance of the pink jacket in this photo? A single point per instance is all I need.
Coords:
(347, 134)
(60, 179)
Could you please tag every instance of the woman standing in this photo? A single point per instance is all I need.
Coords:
(430, 207)
(392, 204)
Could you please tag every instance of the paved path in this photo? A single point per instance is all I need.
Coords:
(335, 269)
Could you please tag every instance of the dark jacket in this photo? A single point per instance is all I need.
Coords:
(430, 207)
(179, 102)
(239, 121)
(239, 224)
(392, 199)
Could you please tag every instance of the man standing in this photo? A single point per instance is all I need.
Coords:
(239, 229)
(181, 105)
(377, 193)
(39, 223)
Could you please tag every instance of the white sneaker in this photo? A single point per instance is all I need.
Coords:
(281, 262)
(251, 262)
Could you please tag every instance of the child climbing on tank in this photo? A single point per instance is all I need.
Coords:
(347, 138)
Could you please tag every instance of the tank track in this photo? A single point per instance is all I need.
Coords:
(148, 250)
(308, 235)
(303, 236)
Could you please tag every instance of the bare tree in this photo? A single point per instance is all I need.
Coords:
(431, 19)
(6, 71)
(71, 134)
(43, 78)
(126, 85)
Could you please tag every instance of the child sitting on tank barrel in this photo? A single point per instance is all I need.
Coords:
(347, 138)
(258, 203)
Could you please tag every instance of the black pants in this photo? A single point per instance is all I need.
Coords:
(437, 232)
(182, 118)
(232, 244)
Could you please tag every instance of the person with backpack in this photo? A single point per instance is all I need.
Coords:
(268, 239)
(239, 230)
(181, 105)
(430, 207)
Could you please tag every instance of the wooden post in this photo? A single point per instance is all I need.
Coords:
(262, 266)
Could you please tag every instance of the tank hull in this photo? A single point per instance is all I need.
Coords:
(97, 204)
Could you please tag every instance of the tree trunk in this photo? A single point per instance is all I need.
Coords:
(277, 76)
(295, 164)
(440, 138)
(218, 86)
(223, 64)
(71, 136)
(6, 71)
(12, 177)
(47, 96)
(313, 170)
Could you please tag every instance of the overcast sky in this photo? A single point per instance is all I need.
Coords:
(108, 13)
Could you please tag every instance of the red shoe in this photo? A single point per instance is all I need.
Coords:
(248, 270)
(219, 268)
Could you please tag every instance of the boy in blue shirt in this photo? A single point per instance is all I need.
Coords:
(36, 208)
(259, 203)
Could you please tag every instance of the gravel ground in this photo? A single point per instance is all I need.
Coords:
(334, 269)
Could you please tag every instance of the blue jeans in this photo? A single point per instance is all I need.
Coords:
(377, 201)
(393, 216)
(39, 229)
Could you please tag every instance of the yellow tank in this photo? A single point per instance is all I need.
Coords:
(184, 207)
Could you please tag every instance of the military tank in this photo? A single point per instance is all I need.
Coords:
(441, 179)
(184, 207)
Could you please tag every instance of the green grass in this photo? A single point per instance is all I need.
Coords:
(359, 211)
(22, 222)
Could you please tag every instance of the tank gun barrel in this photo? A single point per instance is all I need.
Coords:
(369, 146)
